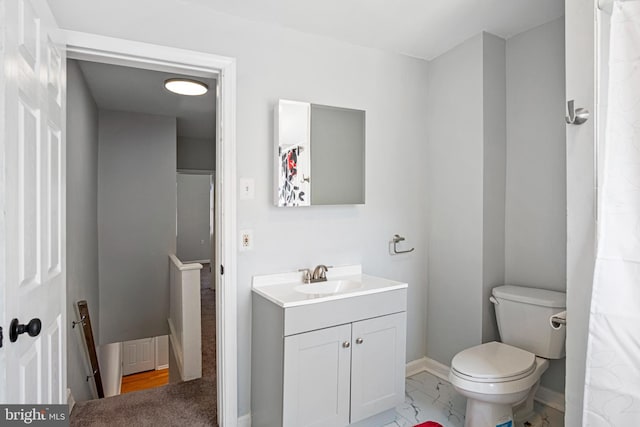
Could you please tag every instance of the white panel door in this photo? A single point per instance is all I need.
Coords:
(32, 199)
(377, 365)
(316, 378)
(138, 356)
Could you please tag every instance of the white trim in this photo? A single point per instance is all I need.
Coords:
(177, 348)
(546, 396)
(186, 266)
(436, 368)
(200, 261)
(96, 48)
(91, 47)
(70, 400)
(244, 420)
(157, 350)
(226, 253)
(415, 367)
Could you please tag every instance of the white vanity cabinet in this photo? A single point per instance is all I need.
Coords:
(331, 363)
(317, 372)
(377, 365)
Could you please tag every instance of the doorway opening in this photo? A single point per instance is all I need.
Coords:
(142, 138)
(93, 48)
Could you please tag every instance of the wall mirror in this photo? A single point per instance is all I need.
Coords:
(320, 155)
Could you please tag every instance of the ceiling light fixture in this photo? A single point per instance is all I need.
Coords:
(186, 86)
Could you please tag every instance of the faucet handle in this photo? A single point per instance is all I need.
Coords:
(307, 275)
(320, 273)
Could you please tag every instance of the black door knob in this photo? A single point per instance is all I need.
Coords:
(32, 328)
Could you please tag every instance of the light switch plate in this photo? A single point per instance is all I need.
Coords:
(247, 189)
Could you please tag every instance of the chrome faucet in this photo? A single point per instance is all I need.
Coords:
(320, 273)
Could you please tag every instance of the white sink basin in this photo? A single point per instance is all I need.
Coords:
(328, 287)
(287, 289)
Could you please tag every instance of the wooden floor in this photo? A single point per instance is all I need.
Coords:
(151, 379)
(144, 380)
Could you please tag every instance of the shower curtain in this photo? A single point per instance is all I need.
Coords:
(612, 381)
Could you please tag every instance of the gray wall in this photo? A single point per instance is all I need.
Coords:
(497, 188)
(196, 153)
(136, 223)
(536, 232)
(193, 239)
(82, 224)
(276, 63)
(494, 175)
(455, 186)
(536, 190)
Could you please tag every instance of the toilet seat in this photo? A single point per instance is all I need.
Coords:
(492, 380)
(465, 384)
(493, 362)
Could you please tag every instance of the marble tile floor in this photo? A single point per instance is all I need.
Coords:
(429, 398)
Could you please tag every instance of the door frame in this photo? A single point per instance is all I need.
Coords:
(95, 48)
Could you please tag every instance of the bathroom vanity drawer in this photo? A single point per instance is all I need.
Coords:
(322, 315)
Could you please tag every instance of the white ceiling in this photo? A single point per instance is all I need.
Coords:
(419, 28)
(142, 91)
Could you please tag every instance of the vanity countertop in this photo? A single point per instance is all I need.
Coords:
(279, 288)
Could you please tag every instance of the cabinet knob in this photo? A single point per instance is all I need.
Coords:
(346, 344)
(359, 341)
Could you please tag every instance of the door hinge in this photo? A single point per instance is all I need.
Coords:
(0, 336)
(221, 269)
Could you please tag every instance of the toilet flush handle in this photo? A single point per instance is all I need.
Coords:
(493, 300)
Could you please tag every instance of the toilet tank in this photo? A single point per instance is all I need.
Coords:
(523, 316)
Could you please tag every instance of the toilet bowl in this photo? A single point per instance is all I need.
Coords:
(494, 377)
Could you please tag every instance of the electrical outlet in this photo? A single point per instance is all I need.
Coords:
(246, 240)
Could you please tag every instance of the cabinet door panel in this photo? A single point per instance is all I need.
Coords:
(378, 365)
(316, 378)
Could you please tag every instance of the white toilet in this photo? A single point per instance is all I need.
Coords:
(496, 376)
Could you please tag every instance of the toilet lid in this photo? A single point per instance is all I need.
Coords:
(493, 360)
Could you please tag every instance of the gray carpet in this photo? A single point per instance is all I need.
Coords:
(191, 403)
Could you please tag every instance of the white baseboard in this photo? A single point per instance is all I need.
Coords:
(159, 367)
(244, 421)
(415, 367)
(70, 400)
(550, 398)
(546, 396)
(438, 369)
